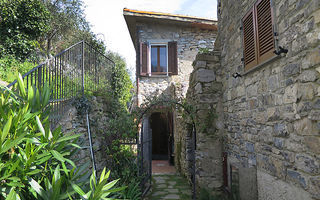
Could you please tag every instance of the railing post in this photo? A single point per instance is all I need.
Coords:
(39, 78)
(82, 63)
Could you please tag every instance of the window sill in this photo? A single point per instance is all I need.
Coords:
(158, 75)
(259, 66)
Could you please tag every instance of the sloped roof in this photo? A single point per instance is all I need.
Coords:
(133, 16)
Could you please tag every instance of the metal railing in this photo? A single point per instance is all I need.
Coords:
(78, 70)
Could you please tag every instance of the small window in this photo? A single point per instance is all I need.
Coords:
(159, 61)
(258, 34)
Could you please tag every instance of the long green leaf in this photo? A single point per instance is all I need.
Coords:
(22, 89)
(57, 173)
(68, 137)
(110, 185)
(57, 155)
(78, 190)
(70, 162)
(102, 175)
(9, 144)
(46, 94)
(6, 128)
(30, 95)
(36, 171)
(15, 184)
(12, 195)
(37, 99)
(40, 127)
(38, 188)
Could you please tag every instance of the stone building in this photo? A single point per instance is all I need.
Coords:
(166, 45)
(256, 96)
(267, 89)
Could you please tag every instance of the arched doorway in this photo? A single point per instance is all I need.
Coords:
(161, 124)
(145, 141)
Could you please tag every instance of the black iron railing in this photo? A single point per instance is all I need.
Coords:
(78, 70)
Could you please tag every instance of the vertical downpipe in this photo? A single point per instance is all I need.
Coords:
(90, 142)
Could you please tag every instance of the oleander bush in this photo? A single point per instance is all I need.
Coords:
(35, 161)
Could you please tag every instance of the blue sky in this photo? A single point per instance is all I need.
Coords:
(107, 20)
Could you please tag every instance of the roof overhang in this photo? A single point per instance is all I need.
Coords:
(132, 17)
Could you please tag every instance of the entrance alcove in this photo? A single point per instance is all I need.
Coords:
(160, 136)
(161, 129)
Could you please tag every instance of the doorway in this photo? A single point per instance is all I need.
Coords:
(161, 124)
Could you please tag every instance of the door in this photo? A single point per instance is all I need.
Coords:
(145, 155)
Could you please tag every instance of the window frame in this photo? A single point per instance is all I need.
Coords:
(145, 54)
(150, 44)
(260, 61)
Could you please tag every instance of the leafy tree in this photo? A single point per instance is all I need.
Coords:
(67, 26)
(22, 23)
(122, 83)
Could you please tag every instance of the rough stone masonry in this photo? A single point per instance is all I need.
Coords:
(271, 115)
(189, 41)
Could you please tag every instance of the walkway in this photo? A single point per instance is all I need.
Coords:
(168, 185)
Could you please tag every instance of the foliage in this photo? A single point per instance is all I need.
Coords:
(98, 190)
(121, 123)
(23, 22)
(123, 165)
(122, 84)
(169, 102)
(118, 126)
(67, 26)
(31, 28)
(11, 67)
(204, 50)
(190, 115)
(35, 161)
(82, 105)
(206, 125)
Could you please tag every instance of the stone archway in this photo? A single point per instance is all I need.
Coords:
(144, 141)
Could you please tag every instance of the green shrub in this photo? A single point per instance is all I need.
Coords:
(124, 166)
(11, 67)
(35, 161)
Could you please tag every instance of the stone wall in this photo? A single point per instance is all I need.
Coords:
(272, 114)
(76, 122)
(189, 40)
(204, 94)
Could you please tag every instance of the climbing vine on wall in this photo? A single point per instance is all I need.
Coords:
(204, 121)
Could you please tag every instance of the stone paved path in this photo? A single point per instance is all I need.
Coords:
(169, 186)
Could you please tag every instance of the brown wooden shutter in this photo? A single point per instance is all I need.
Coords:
(264, 24)
(143, 59)
(172, 58)
(249, 41)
